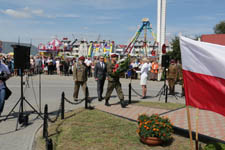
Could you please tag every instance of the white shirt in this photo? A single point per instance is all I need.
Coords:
(88, 62)
(145, 68)
(57, 63)
(134, 65)
(102, 64)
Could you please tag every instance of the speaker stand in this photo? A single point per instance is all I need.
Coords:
(21, 101)
(164, 89)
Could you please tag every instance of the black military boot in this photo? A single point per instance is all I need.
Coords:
(107, 102)
(123, 104)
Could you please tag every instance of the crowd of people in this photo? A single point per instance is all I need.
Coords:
(100, 67)
(61, 66)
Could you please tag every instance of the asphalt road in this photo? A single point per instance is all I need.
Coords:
(52, 87)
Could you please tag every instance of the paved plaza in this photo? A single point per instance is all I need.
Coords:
(52, 87)
(210, 124)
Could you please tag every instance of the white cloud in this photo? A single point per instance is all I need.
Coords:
(67, 16)
(29, 13)
(16, 13)
(38, 12)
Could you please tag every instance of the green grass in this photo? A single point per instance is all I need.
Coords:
(168, 106)
(96, 130)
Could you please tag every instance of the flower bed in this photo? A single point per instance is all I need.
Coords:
(154, 126)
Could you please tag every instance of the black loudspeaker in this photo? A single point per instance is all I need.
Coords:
(21, 57)
(165, 61)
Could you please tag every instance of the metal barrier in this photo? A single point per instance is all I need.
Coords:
(129, 93)
(86, 98)
(62, 105)
(49, 143)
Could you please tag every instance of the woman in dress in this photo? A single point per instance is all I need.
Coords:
(145, 68)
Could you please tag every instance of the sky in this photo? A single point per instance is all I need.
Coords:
(118, 20)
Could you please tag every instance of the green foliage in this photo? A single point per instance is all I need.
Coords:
(220, 28)
(154, 126)
(123, 67)
(175, 54)
(215, 146)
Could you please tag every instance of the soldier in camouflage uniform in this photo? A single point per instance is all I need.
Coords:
(80, 76)
(113, 82)
(180, 76)
(172, 76)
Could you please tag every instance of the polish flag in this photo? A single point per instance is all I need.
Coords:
(204, 74)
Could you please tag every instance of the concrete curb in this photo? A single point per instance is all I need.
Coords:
(32, 144)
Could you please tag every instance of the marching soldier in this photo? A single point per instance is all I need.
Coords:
(113, 82)
(180, 76)
(80, 76)
(172, 76)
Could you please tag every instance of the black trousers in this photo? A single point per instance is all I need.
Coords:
(89, 71)
(100, 87)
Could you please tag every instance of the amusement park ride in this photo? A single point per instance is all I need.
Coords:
(105, 48)
(146, 26)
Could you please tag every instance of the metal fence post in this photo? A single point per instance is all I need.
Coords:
(129, 93)
(86, 98)
(62, 105)
(45, 124)
(49, 144)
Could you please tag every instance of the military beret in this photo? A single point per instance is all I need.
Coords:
(81, 58)
(114, 55)
(172, 61)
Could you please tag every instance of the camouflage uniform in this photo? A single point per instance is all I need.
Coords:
(180, 77)
(80, 74)
(172, 77)
(113, 82)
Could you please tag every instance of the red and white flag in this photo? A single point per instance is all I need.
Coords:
(204, 74)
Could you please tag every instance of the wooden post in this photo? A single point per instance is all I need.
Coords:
(196, 134)
(189, 127)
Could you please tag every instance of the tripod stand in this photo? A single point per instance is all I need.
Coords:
(164, 89)
(21, 118)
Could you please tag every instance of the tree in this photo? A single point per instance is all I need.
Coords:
(220, 28)
(175, 54)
